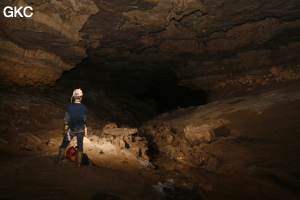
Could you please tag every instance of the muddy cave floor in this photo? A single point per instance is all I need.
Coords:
(259, 158)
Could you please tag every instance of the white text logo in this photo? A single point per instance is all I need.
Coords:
(15, 11)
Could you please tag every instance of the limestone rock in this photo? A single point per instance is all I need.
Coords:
(208, 40)
(52, 142)
(110, 126)
(28, 142)
(200, 134)
(120, 131)
(203, 42)
(36, 50)
(184, 143)
(130, 146)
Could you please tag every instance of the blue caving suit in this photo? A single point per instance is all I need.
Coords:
(75, 118)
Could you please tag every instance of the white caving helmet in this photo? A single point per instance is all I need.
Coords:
(77, 93)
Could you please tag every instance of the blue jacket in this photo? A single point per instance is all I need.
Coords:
(75, 116)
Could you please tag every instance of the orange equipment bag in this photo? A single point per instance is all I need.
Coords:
(72, 154)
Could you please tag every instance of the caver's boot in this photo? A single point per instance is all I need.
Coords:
(61, 155)
(79, 158)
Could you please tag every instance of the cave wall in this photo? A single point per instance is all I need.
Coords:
(209, 44)
(36, 50)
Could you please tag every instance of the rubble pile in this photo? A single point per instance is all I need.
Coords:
(111, 140)
(185, 144)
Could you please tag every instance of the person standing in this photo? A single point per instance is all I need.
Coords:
(74, 124)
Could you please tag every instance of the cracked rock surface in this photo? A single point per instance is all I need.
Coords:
(206, 43)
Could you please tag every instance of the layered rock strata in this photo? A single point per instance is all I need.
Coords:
(36, 50)
(207, 43)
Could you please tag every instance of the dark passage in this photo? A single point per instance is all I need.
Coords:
(169, 95)
(139, 94)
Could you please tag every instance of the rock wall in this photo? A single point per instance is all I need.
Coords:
(195, 135)
(207, 43)
(36, 50)
(255, 67)
(204, 42)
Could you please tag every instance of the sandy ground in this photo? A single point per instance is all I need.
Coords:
(27, 176)
(259, 157)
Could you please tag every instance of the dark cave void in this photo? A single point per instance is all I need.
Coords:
(159, 89)
(169, 95)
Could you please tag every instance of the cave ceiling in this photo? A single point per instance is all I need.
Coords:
(117, 40)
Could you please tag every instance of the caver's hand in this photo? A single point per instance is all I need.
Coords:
(66, 128)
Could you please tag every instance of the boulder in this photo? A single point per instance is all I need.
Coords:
(28, 142)
(120, 131)
(110, 126)
(198, 135)
(52, 142)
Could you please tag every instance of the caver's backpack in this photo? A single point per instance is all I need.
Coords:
(72, 155)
